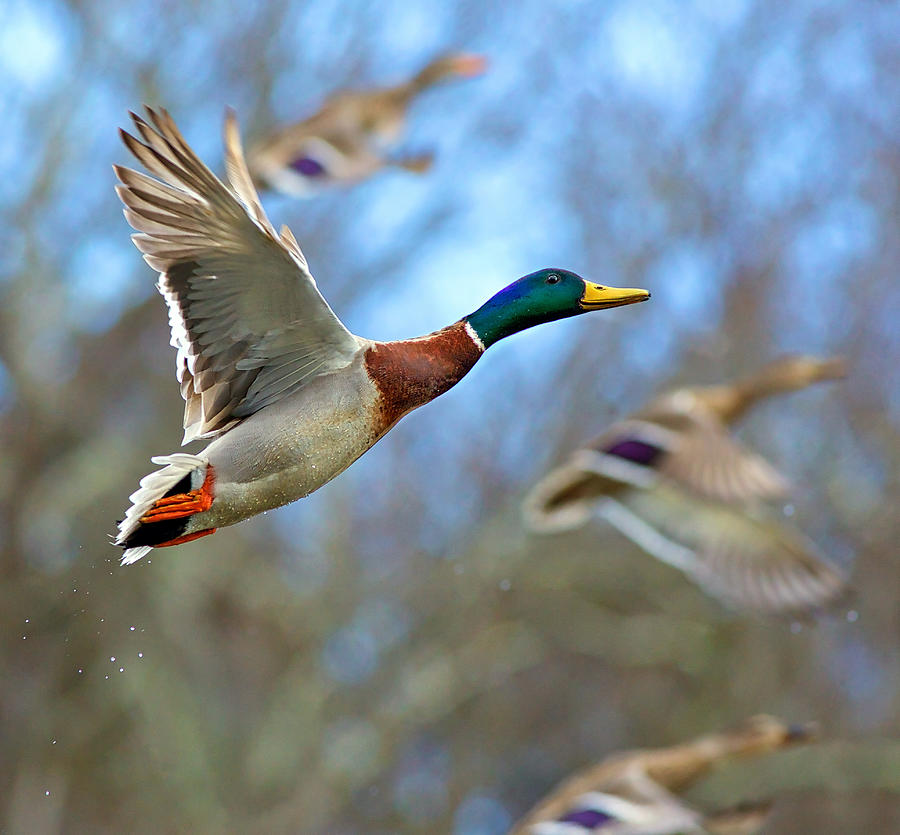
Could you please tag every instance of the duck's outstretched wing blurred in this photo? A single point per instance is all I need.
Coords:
(749, 558)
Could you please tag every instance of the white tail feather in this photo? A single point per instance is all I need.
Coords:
(132, 555)
(153, 487)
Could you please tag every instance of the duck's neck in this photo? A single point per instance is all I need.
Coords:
(412, 372)
(508, 313)
(733, 401)
(404, 93)
(438, 70)
(678, 767)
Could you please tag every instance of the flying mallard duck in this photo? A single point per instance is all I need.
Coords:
(347, 139)
(672, 479)
(635, 792)
(266, 368)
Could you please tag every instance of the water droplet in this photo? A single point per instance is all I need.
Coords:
(121, 669)
(24, 637)
(53, 742)
(80, 671)
(105, 676)
(47, 793)
(112, 657)
(852, 616)
(140, 655)
(27, 620)
(131, 629)
(505, 585)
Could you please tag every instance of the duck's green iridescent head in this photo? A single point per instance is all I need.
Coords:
(542, 297)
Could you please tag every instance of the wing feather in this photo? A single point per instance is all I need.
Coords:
(747, 557)
(248, 322)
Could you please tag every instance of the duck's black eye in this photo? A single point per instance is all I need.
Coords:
(553, 278)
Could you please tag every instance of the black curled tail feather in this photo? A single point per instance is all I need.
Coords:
(155, 533)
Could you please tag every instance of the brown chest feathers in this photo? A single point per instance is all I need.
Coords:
(413, 372)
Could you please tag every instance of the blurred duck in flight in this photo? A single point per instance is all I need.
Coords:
(673, 479)
(348, 139)
(636, 792)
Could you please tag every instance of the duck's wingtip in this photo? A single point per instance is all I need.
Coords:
(543, 511)
(231, 119)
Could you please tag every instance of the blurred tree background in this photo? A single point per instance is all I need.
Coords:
(394, 654)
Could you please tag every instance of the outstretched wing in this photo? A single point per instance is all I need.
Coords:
(775, 572)
(248, 322)
(749, 558)
(569, 495)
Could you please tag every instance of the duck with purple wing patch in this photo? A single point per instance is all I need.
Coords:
(636, 792)
(288, 396)
(348, 139)
(673, 479)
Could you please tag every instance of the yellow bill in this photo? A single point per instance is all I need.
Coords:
(596, 296)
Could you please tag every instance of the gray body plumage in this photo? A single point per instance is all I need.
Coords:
(288, 450)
